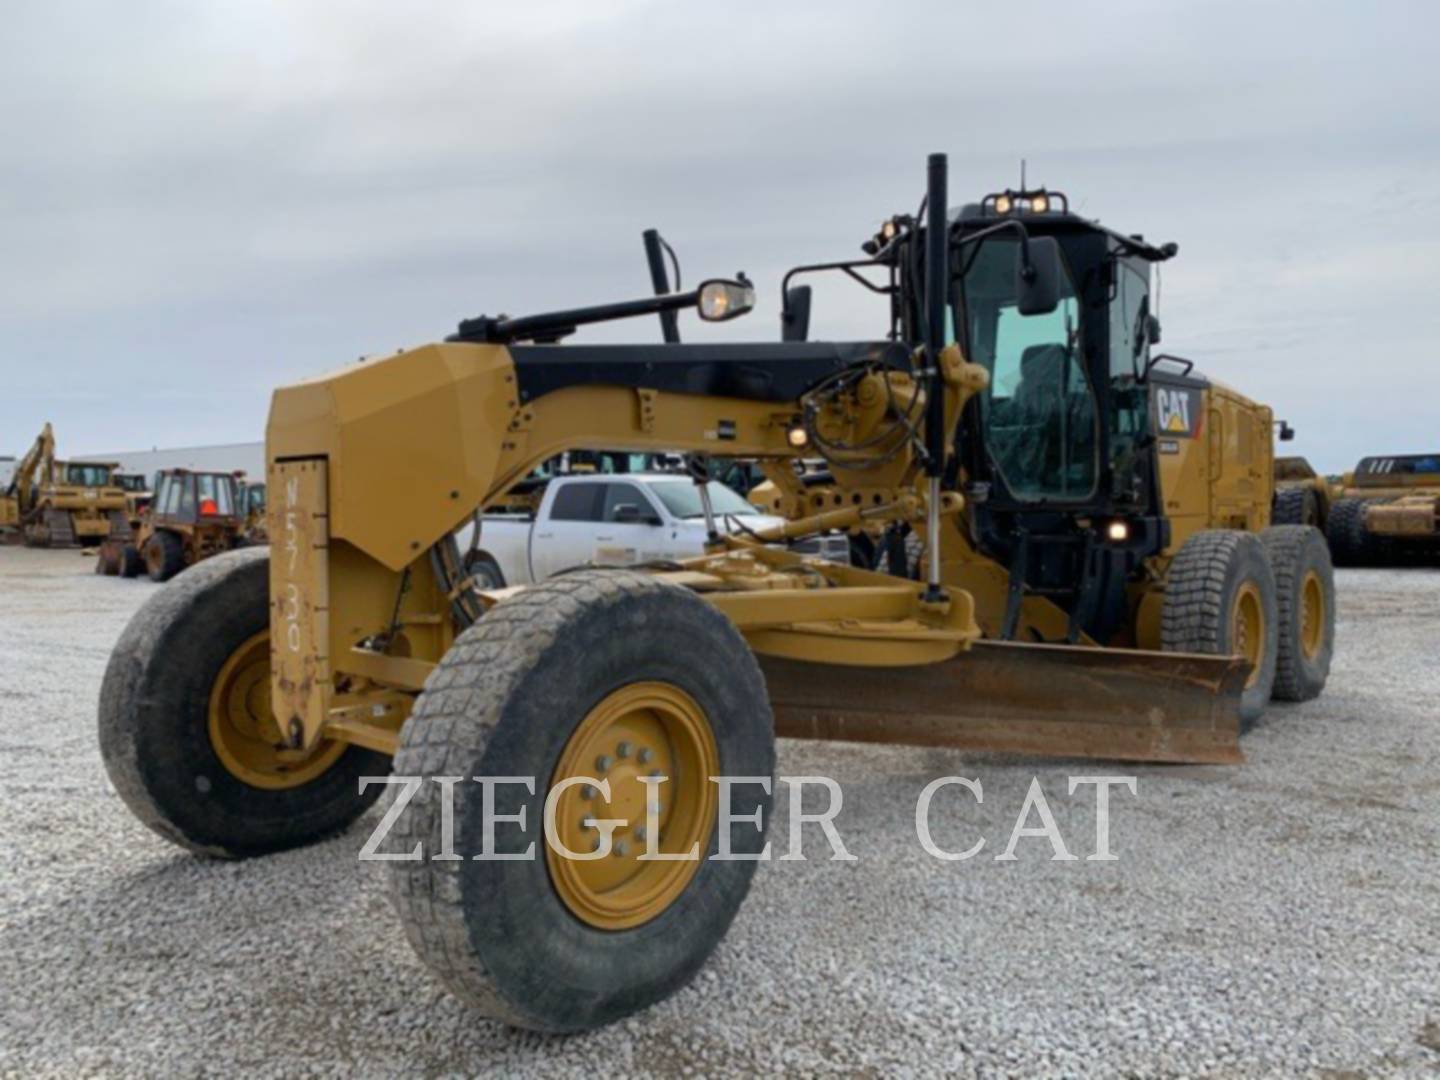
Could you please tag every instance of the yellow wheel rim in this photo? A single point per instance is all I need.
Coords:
(243, 731)
(1247, 636)
(645, 729)
(1312, 615)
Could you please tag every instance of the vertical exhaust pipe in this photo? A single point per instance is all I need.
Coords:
(669, 324)
(937, 244)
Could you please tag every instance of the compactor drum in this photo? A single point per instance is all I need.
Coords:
(584, 768)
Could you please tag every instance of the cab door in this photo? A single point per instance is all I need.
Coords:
(631, 527)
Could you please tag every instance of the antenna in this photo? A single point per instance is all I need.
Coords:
(1022, 174)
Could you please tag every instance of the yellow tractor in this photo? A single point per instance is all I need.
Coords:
(192, 516)
(591, 758)
(53, 503)
(1388, 511)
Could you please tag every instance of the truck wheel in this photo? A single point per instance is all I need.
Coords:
(484, 570)
(1346, 532)
(610, 675)
(1305, 598)
(131, 562)
(186, 731)
(1296, 506)
(164, 555)
(1220, 599)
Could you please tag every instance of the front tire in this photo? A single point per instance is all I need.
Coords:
(1220, 599)
(132, 563)
(544, 942)
(184, 710)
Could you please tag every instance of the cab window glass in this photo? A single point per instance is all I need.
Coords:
(215, 494)
(1129, 348)
(1039, 409)
(577, 502)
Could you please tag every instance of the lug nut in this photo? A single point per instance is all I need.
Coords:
(623, 750)
(622, 849)
(603, 763)
(589, 791)
(644, 756)
(640, 834)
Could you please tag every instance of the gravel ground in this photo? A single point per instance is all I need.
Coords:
(1282, 917)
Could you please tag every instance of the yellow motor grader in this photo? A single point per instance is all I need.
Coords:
(1097, 590)
(53, 503)
(1388, 511)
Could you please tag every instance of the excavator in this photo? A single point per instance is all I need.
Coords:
(583, 767)
(52, 503)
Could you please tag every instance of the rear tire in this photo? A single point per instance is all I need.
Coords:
(1296, 506)
(1305, 598)
(510, 699)
(1346, 533)
(155, 723)
(1220, 599)
(164, 555)
(132, 564)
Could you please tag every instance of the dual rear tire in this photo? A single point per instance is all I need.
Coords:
(1267, 598)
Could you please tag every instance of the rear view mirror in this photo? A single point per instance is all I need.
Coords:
(795, 318)
(1037, 278)
(719, 300)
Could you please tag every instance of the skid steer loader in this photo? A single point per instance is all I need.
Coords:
(1097, 590)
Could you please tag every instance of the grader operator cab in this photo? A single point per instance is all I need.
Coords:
(1091, 588)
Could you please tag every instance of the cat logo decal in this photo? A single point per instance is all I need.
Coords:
(1177, 411)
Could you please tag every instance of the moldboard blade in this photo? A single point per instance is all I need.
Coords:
(1044, 700)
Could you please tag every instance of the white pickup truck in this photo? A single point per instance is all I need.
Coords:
(615, 520)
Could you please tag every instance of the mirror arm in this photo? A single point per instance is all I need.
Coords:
(848, 266)
(1027, 270)
(1189, 365)
(554, 325)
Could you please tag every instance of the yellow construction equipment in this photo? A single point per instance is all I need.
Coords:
(1387, 511)
(1098, 580)
(194, 515)
(54, 503)
(1302, 496)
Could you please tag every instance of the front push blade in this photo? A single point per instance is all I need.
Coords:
(1041, 700)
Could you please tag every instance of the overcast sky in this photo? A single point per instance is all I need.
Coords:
(201, 201)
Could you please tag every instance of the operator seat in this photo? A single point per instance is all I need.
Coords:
(1040, 403)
